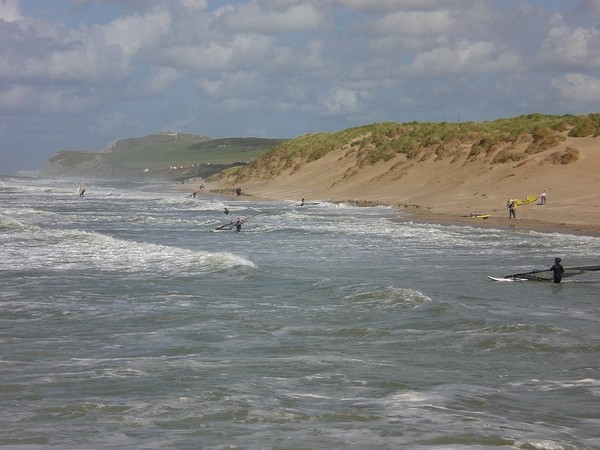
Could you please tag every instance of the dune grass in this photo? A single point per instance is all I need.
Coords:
(385, 141)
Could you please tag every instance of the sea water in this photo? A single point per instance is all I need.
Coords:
(125, 323)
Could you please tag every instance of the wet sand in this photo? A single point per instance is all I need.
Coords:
(504, 223)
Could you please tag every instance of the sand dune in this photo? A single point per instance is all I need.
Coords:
(445, 189)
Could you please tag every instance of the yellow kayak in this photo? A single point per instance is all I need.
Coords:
(478, 216)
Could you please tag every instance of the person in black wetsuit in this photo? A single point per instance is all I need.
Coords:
(558, 270)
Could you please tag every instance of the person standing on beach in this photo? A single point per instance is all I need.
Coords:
(511, 209)
(558, 270)
(543, 198)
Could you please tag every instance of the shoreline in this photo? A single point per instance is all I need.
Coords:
(429, 215)
(503, 223)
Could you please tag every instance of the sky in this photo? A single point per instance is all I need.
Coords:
(80, 74)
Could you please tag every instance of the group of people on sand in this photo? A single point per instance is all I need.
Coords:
(511, 205)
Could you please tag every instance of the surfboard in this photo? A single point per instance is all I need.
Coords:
(219, 230)
(478, 216)
(506, 279)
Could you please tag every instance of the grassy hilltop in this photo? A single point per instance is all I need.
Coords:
(168, 155)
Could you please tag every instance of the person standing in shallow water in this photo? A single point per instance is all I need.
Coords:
(558, 270)
(238, 225)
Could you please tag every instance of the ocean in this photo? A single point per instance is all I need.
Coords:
(125, 323)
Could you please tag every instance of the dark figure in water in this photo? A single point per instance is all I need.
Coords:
(226, 211)
(558, 270)
(238, 225)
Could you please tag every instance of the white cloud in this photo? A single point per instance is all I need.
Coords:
(463, 57)
(96, 54)
(341, 101)
(575, 47)
(158, 81)
(10, 10)
(240, 51)
(132, 33)
(233, 85)
(307, 60)
(29, 98)
(417, 23)
(394, 5)
(191, 5)
(252, 17)
(578, 88)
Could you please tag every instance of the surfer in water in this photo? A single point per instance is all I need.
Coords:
(226, 211)
(558, 270)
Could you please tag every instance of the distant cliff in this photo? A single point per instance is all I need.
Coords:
(170, 155)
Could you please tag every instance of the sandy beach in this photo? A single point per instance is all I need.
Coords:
(448, 191)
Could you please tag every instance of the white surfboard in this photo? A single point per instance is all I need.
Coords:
(506, 279)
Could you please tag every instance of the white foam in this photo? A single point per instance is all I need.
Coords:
(80, 250)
